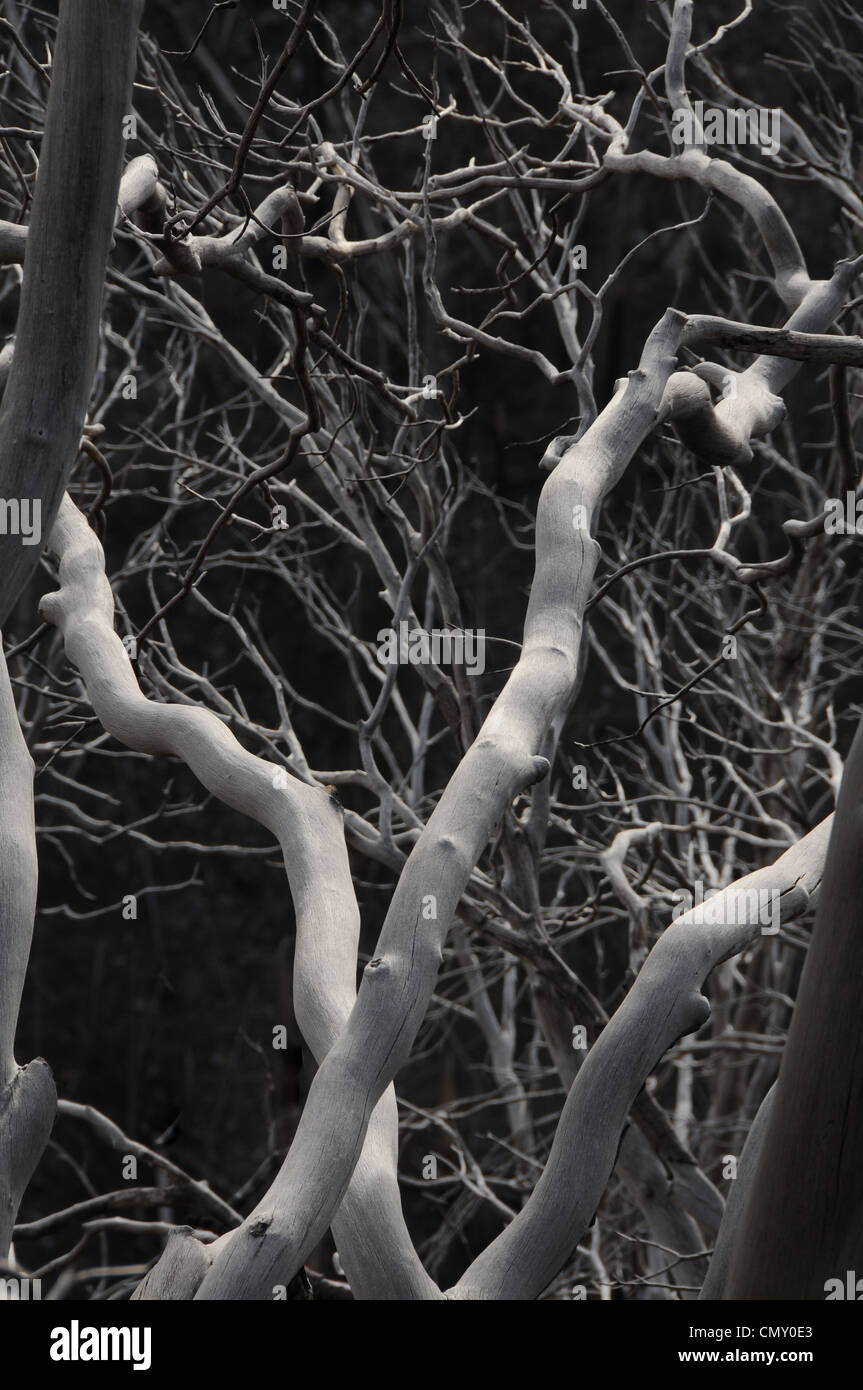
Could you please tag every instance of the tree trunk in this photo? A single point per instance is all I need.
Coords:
(802, 1220)
(44, 406)
(27, 1096)
(68, 241)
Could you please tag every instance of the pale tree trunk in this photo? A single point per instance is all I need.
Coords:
(801, 1224)
(27, 1095)
(370, 1231)
(67, 245)
(41, 420)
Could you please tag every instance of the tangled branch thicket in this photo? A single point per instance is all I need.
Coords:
(380, 277)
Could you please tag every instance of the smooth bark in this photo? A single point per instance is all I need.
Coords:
(373, 1241)
(27, 1095)
(67, 245)
(803, 1220)
(665, 1003)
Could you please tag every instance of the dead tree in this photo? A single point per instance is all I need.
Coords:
(536, 868)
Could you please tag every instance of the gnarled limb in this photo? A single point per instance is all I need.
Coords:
(664, 1003)
(373, 1240)
(27, 1095)
(398, 982)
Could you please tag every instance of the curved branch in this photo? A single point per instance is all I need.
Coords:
(397, 984)
(665, 1003)
(374, 1243)
(27, 1095)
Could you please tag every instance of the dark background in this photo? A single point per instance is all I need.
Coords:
(165, 1022)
